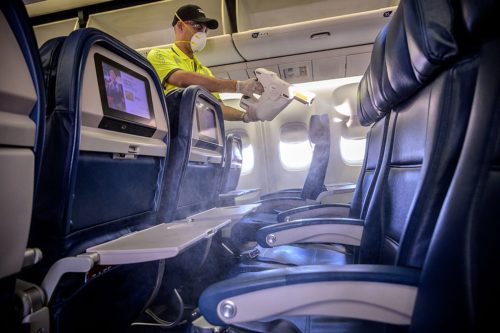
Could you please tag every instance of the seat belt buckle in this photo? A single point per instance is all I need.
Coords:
(252, 254)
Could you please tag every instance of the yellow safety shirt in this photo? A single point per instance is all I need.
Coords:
(168, 61)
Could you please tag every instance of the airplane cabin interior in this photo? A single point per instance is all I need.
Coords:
(366, 202)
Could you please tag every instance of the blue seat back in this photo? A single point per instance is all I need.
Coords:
(94, 189)
(232, 164)
(195, 166)
(101, 177)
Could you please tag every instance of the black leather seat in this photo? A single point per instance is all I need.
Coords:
(459, 282)
(425, 75)
(22, 125)
(409, 154)
(285, 200)
(302, 254)
(375, 142)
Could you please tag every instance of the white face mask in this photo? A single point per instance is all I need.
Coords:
(198, 41)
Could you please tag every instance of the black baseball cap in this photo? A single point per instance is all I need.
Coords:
(196, 14)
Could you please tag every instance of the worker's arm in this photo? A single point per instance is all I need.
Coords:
(231, 113)
(184, 79)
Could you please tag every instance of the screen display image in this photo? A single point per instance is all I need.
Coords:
(207, 127)
(126, 98)
(125, 92)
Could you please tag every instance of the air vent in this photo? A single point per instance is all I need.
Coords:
(296, 72)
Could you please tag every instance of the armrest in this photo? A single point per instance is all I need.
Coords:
(372, 292)
(334, 230)
(291, 192)
(320, 210)
(341, 187)
(334, 189)
(238, 193)
(278, 205)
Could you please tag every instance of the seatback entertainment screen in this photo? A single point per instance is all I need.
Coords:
(207, 122)
(125, 94)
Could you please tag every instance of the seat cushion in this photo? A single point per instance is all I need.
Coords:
(294, 255)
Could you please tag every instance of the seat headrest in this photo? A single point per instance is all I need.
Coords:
(408, 52)
(49, 54)
(319, 129)
(181, 99)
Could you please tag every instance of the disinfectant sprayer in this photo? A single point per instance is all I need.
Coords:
(276, 96)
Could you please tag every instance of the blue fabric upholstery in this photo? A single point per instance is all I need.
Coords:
(189, 187)
(86, 198)
(63, 190)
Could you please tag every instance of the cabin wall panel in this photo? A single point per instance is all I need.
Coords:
(357, 63)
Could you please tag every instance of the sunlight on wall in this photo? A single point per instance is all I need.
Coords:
(248, 160)
(352, 151)
(296, 155)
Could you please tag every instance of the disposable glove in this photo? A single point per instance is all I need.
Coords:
(251, 115)
(249, 87)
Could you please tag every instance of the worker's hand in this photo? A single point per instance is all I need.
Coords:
(249, 87)
(251, 115)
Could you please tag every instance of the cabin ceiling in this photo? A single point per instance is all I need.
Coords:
(43, 7)
(290, 27)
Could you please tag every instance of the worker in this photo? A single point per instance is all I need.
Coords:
(178, 66)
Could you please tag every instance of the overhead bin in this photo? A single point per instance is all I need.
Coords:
(305, 67)
(147, 26)
(44, 32)
(38, 8)
(301, 27)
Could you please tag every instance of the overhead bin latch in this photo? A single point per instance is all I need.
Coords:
(320, 35)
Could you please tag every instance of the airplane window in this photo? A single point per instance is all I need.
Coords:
(295, 148)
(296, 156)
(352, 151)
(248, 159)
